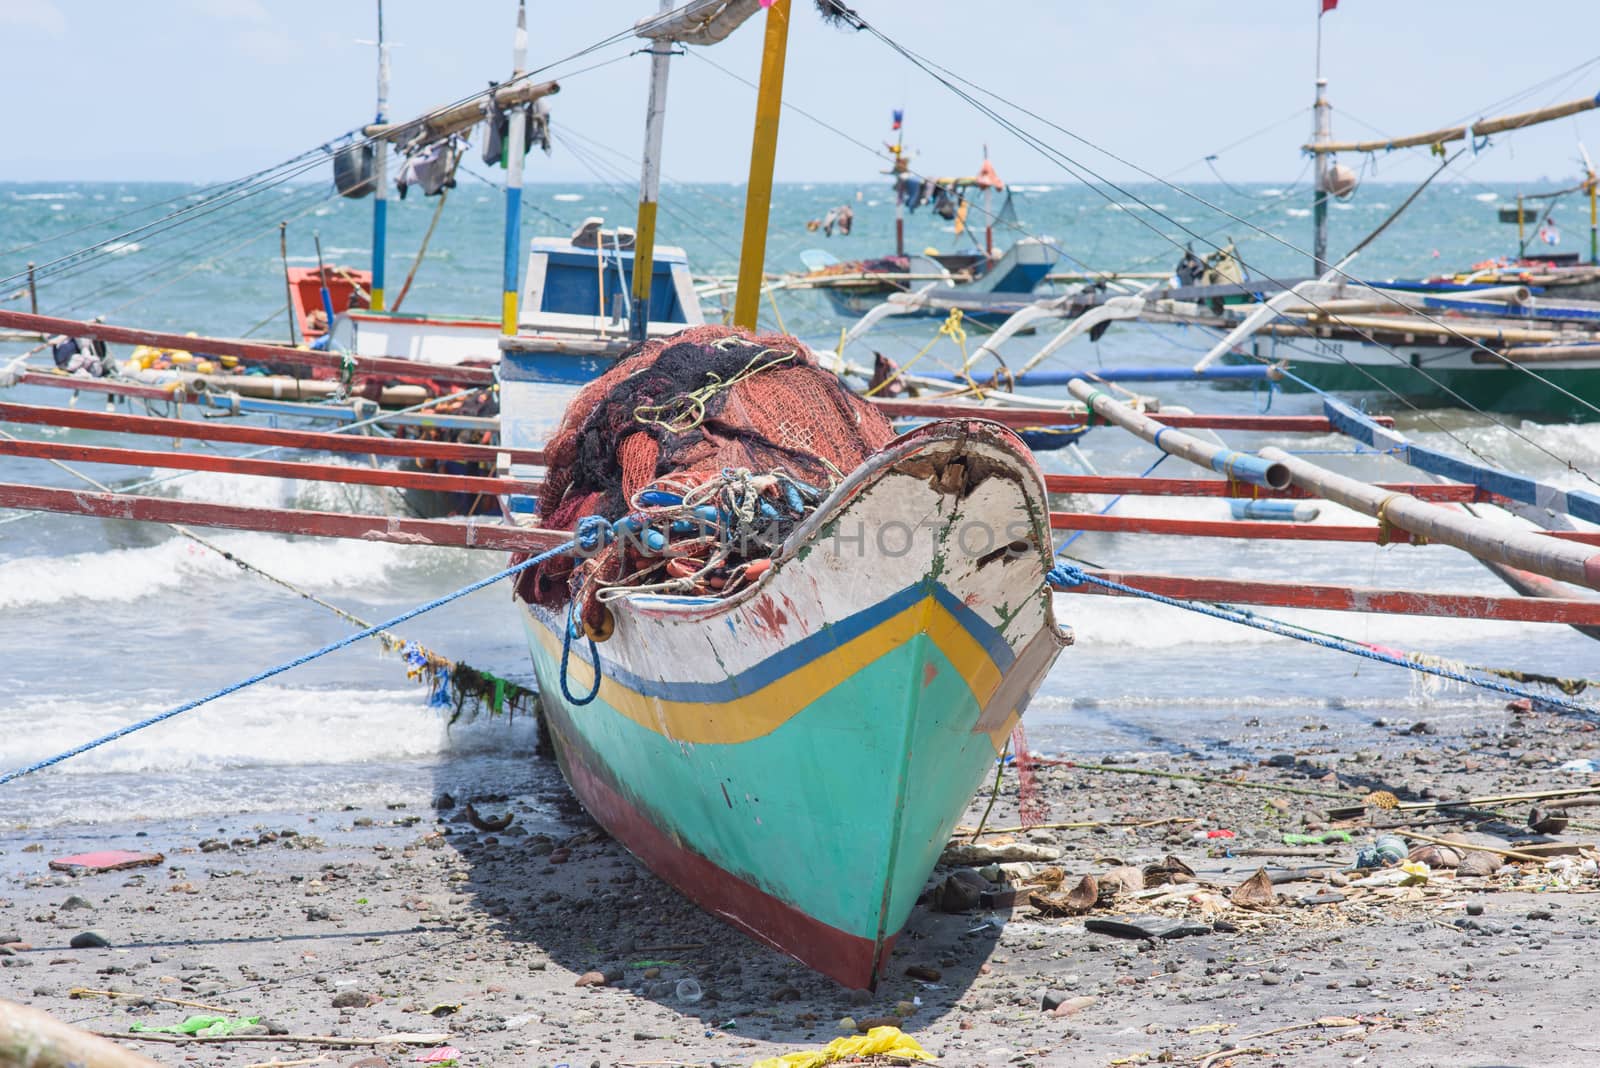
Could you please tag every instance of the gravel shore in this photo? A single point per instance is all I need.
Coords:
(545, 943)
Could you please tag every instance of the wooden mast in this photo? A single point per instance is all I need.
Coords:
(763, 152)
(380, 201)
(644, 245)
(515, 146)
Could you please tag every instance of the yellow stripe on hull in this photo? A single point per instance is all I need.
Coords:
(753, 715)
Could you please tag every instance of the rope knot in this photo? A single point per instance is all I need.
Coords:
(1065, 575)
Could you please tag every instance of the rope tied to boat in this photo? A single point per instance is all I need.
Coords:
(950, 328)
(688, 410)
(592, 533)
(1068, 576)
(305, 658)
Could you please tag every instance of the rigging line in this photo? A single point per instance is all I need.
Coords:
(1072, 167)
(1523, 94)
(498, 188)
(213, 190)
(1443, 325)
(100, 251)
(599, 168)
(203, 264)
(242, 222)
(597, 46)
(1295, 114)
(185, 250)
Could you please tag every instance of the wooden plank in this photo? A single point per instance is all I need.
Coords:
(239, 465)
(109, 386)
(247, 351)
(1134, 486)
(1264, 530)
(462, 535)
(1567, 611)
(322, 441)
(1032, 417)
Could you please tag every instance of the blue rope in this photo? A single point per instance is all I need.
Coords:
(260, 676)
(567, 633)
(1068, 575)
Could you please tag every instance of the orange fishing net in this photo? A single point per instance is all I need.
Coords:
(679, 412)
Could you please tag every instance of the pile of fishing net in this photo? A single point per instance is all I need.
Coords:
(701, 451)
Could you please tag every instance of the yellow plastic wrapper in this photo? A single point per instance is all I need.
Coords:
(878, 1041)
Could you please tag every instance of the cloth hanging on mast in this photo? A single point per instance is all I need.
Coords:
(497, 130)
(1327, 6)
(987, 178)
(432, 167)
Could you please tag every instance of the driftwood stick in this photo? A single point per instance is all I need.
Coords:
(1497, 799)
(1470, 847)
(404, 1038)
(45, 1042)
(84, 992)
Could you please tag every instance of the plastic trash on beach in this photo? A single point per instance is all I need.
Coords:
(880, 1041)
(202, 1026)
(1583, 765)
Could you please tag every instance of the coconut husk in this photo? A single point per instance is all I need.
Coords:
(1477, 864)
(1255, 892)
(1050, 878)
(1076, 902)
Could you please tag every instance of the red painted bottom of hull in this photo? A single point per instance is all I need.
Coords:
(841, 956)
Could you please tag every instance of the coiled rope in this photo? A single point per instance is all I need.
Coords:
(306, 658)
(1067, 575)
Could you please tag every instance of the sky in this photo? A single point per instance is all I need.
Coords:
(206, 90)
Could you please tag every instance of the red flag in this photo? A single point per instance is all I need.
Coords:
(1327, 6)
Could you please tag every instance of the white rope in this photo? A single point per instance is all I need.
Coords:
(12, 372)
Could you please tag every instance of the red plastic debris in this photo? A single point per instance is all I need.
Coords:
(106, 860)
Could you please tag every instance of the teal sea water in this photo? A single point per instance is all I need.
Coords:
(107, 622)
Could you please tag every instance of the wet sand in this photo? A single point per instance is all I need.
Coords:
(369, 922)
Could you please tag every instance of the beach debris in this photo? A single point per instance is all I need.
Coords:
(1125, 879)
(1320, 838)
(90, 940)
(1387, 851)
(205, 1026)
(78, 992)
(1255, 892)
(1078, 900)
(978, 853)
(76, 902)
(591, 979)
(105, 860)
(925, 973)
(1147, 929)
(40, 1040)
(688, 991)
(1543, 821)
(959, 891)
(443, 1055)
(445, 1008)
(494, 823)
(884, 1041)
(1477, 863)
(1171, 870)
(354, 999)
(1435, 856)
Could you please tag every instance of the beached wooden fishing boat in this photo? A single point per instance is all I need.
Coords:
(794, 754)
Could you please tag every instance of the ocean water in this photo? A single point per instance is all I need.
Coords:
(106, 622)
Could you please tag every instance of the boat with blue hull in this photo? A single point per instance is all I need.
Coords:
(794, 756)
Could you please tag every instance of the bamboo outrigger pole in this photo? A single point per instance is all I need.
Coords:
(1530, 551)
(1481, 128)
(763, 151)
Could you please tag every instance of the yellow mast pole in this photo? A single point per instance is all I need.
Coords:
(763, 152)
